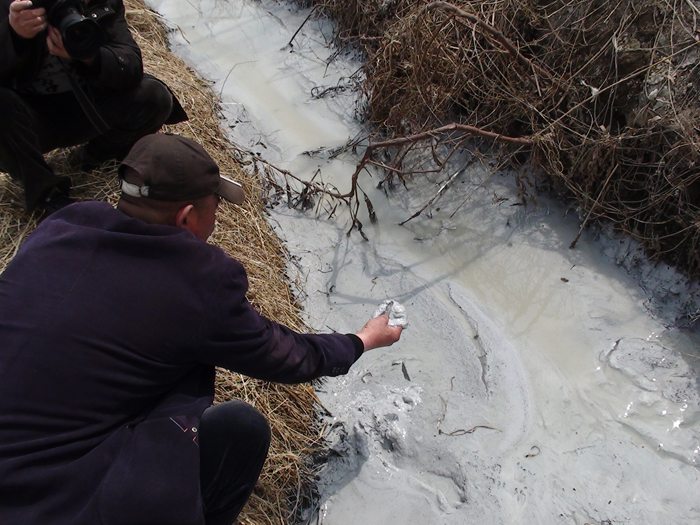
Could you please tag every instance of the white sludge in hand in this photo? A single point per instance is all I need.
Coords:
(395, 311)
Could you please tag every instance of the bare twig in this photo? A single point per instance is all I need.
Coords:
(435, 197)
(308, 17)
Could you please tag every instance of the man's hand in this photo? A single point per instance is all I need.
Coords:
(55, 43)
(25, 21)
(377, 333)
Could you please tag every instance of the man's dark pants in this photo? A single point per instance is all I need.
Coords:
(32, 125)
(233, 443)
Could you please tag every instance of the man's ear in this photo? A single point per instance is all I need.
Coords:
(187, 218)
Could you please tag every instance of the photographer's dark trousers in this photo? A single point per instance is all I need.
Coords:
(233, 443)
(31, 125)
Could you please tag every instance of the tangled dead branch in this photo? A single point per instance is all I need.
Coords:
(455, 134)
(602, 95)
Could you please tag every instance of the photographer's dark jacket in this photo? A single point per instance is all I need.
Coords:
(117, 67)
(109, 333)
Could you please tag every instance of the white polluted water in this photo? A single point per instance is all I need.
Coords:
(531, 386)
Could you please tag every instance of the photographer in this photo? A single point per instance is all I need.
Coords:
(56, 94)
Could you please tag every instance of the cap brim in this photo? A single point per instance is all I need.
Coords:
(231, 191)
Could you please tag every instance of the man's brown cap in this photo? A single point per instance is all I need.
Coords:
(175, 168)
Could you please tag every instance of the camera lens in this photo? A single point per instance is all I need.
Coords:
(81, 36)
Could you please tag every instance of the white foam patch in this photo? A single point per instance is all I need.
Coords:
(395, 311)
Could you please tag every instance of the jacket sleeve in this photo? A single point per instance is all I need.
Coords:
(240, 339)
(118, 65)
(15, 51)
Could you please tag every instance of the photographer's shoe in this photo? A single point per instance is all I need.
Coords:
(55, 201)
(81, 159)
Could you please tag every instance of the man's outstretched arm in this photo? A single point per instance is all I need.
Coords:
(242, 340)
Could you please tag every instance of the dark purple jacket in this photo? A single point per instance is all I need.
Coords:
(109, 333)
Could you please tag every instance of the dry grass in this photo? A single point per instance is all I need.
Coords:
(604, 92)
(244, 233)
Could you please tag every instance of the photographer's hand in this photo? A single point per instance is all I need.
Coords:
(25, 21)
(55, 44)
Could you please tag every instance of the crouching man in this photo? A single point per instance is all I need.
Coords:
(111, 324)
(71, 73)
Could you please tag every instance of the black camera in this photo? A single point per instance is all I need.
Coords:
(82, 36)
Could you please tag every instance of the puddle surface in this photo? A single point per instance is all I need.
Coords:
(532, 386)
